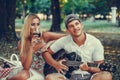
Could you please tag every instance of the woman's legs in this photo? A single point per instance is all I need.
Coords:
(22, 75)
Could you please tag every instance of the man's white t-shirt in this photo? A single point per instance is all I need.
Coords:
(92, 50)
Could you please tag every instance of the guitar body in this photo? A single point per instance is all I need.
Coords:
(62, 54)
(49, 69)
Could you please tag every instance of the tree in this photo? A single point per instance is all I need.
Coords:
(7, 19)
(42, 7)
(78, 6)
(56, 19)
(102, 7)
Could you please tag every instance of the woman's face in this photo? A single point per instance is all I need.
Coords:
(35, 24)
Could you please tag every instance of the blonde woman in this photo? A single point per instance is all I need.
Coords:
(31, 43)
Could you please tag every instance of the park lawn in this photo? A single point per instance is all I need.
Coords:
(102, 26)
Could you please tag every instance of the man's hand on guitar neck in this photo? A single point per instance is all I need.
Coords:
(85, 67)
(59, 66)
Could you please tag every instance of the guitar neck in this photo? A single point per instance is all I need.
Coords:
(77, 63)
(103, 67)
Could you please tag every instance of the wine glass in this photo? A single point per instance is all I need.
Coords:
(37, 34)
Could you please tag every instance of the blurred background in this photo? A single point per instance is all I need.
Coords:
(100, 18)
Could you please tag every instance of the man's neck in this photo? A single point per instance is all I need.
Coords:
(80, 40)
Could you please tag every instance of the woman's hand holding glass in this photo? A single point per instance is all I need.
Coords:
(36, 41)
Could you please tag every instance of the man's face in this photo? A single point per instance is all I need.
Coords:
(74, 28)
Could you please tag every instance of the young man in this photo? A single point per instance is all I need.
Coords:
(83, 44)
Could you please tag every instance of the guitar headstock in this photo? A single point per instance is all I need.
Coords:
(107, 67)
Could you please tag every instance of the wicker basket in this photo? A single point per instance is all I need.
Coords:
(14, 67)
(9, 67)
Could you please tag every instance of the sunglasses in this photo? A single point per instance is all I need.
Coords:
(33, 24)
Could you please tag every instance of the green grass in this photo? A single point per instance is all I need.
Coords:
(97, 24)
(18, 24)
(18, 21)
(101, 26)
(46, 24)
(89, 26)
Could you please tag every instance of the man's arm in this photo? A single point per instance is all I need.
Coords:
(85, 67)
(48, 57)
(96, 69)
(51, 61)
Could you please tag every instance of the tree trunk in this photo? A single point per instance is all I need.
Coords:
(118, 21)
(3, 17)
(56, 19)
(7, 19)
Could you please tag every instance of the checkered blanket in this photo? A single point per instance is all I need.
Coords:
(4, 71)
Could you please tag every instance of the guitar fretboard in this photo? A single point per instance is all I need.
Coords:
(77, 63)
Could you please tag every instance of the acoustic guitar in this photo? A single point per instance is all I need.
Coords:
(73, 61)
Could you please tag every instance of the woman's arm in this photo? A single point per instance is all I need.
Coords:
(49, 36)
(28, 59)
(22, 58)
(25, 58)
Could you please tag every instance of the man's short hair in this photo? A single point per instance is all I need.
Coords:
(70, 18)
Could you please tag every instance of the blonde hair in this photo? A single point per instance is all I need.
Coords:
(25, 33)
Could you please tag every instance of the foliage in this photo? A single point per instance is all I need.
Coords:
(32, 6)
(68, 6)
(78, 6)
(101, 7)
(89, 6)
(43, 6)
(22, 5)
(18, 8)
